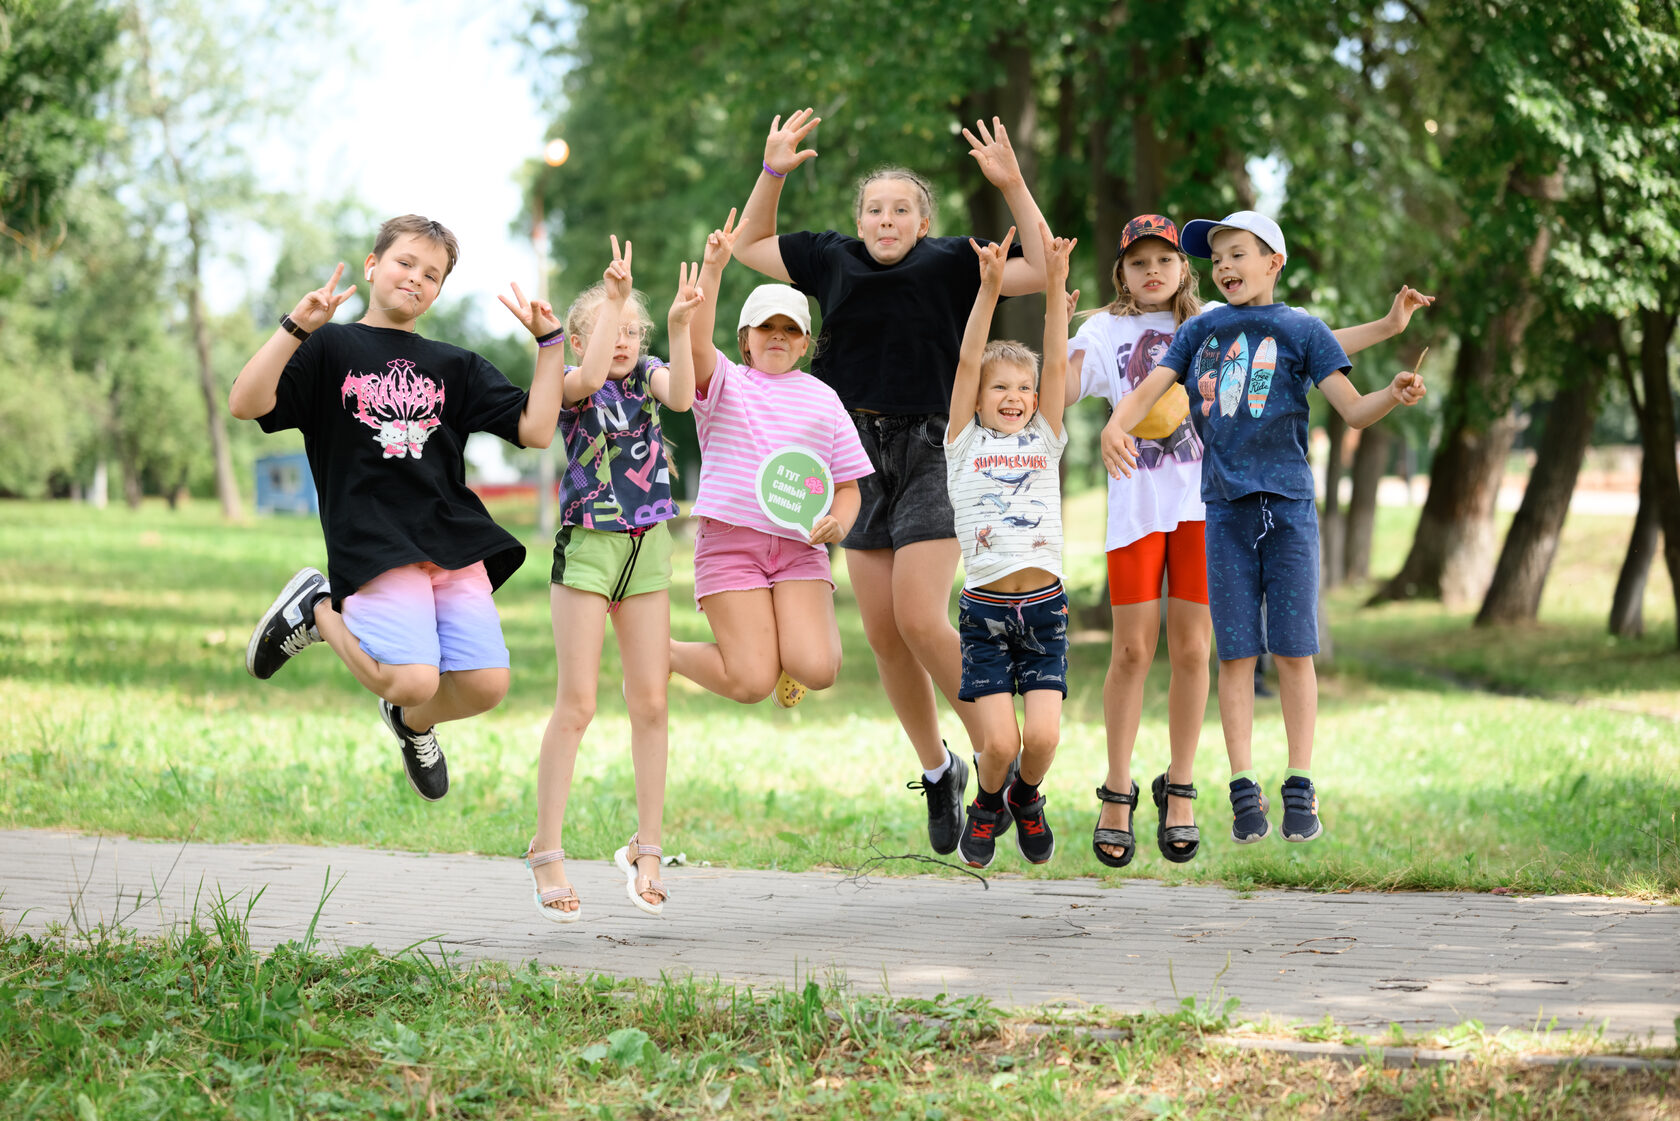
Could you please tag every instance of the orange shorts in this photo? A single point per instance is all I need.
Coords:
(1135, 570)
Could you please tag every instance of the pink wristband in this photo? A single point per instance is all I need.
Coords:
(773, 171)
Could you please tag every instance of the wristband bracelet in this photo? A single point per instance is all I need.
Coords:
(773, 171)
(289, 325)
(554, 334)
(551, 340)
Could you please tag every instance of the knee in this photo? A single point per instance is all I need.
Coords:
(482, 690)
(1190, 654)
(751, 688)
(921, 627)
(573, 710)
(647, 707)
(1131, 656)
(1041, 737)
(410, 686)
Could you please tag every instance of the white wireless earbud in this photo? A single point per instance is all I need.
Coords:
(370, 274)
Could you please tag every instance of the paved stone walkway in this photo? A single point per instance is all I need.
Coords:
(1421, 960)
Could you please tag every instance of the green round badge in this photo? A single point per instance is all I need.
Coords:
(794, 488)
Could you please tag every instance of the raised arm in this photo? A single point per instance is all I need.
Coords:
(1361, 410)
(542, 404)
(595, 358)
(673, 385)
(996, 156)
(253, 392)
(758, 248)
(719, 246)
(965, 389)
(1406, 301)
(1058, 306)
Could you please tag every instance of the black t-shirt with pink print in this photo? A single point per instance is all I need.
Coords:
(385, 416)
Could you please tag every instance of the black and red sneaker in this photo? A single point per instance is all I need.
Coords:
(1032, 831)
(981, 829)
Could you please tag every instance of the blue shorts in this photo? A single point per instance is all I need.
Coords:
(421, 614)
(1013, 643)
(1263, 548)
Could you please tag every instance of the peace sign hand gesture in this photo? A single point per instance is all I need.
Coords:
(537, 315)
(617, 276)
(317, 308)
(720, 244)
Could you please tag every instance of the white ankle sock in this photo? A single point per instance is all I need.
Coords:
(938, 772)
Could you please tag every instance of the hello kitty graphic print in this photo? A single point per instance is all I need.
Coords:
(401, 406)
(385, 416)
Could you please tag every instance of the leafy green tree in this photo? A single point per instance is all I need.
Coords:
(56, 63)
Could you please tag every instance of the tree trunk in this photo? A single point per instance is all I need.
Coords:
(227, 486)
(1452, 554)
(1656, 430)
(1369, 459)
(1531, 543)
(1627, 606)
(1332, 531)
(1015, 102)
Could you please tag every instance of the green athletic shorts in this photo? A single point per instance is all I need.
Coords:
(614, 565)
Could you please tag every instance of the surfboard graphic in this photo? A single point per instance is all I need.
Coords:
(1260, 375)
(1207, 362)
(1233, 372)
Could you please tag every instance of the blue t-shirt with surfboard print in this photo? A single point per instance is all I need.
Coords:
(1247, 371)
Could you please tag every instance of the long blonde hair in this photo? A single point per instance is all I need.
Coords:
(1185, 302)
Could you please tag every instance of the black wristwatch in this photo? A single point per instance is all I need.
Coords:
(289, 325)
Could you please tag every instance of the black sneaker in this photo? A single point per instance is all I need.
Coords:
(1300, 810)
(287, 626)
(980, 833)
(422, 757)
(1032, 832)
(1248, 812)
(944, 804)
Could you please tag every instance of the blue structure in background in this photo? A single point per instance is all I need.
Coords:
(285, 486)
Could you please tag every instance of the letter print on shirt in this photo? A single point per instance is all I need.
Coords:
(401, 406)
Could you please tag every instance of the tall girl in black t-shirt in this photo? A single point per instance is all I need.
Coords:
(894, 301)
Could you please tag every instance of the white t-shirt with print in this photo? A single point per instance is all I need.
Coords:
(1165, 488)
(1008, 499)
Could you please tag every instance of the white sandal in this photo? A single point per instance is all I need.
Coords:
(635, 883)
(533, 859)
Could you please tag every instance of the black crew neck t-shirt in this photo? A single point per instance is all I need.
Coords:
(891, 334)
(385, 416)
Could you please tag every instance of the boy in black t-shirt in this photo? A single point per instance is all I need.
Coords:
(412, 554)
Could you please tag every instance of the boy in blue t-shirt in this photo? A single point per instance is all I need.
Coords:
(1247, 367)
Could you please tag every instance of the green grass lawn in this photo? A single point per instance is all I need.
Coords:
(128, 710)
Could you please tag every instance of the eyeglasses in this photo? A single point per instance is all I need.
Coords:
(633, 333)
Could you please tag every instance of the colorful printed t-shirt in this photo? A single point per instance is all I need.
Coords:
(385, 416)
(618, 475)
(1008, 498)
(1247, 370)
(1166, 487)
(890, 334)
(743, 416)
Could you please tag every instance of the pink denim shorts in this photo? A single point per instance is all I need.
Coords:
(421, 614)
(734, 558)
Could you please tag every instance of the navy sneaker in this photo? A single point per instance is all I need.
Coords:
(287, 626)
(944, 804)
(1248, 812)
(1032, 832)
(1300, 810)
(422, 758)
(980, 834)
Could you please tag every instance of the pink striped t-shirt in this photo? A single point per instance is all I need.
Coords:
(744, 415)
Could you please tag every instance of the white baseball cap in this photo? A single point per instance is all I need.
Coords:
(770, 300)
(1194, 237)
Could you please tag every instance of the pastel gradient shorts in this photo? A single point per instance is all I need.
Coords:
(421, 614)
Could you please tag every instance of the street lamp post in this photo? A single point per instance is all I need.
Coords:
(555, 153)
